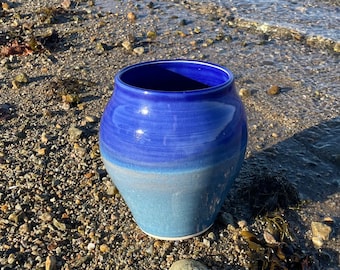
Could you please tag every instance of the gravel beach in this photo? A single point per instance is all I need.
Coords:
(58, 207)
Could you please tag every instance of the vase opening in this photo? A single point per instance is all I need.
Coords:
(175, 75)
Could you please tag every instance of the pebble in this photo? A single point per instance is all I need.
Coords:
(275, 135)
(16, 217)
(100, 47)
(244, 92)
(126, 44)
(44, 138)
(46, 217)
(188, 264)
(242, 224)
(206, 242)
(50, 263)
(59, 225)
(211, 236)
(139, 50)
(111, 189)
(274, 90)
(24, 228)
(21, 78)
(131, 16)
(320, 233)
(90, 119)
(104, 248)
(15, 85)
(151, 34)
(150, 250)
(91, 246)
(74, 133)
(11, 258)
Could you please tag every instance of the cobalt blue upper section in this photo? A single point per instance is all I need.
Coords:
(173, 114)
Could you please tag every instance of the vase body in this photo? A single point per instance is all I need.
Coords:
(173, 138)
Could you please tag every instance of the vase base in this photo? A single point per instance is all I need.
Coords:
(177, 238)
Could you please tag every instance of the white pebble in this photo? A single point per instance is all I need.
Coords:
(91, 246)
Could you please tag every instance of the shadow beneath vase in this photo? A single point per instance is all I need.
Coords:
(280, 182)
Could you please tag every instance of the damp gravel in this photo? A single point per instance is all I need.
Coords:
(58, 207)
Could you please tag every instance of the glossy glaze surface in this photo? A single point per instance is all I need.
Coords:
(173, 138)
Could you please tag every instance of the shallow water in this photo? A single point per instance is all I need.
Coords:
(313, 18)
(319, 18)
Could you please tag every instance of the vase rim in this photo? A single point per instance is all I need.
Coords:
(204, 90)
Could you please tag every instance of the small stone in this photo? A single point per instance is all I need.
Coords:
(274, 90)
(43, 138)
(74, 133)
(5, 6)
(104, 248)
(211, 236)
(181, 33)
(81, 151)
(244, 92)
(50, 263)
(4, 208)
(337, 47)
(219, 36)
(59, 225)
(139, 50)
(91, 246)
(275, 135)
(157, 244)
(111, 189)
(15, 85)
(90, 119)
(126, 44)
(320, 232)
(131, 16)
(197, 30)
(206, 242)
(11, 258)
(269, 238)
(21, 78)
(100, 47)
(24, 228)
(16, 217)
(151, 34)
(150, 249)
(70, 98)
(188, 264)
(46, 217)
(208, 42)
(242, 224)
(41, 151)
(317, 242)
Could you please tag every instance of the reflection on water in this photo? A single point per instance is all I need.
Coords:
(317, 18)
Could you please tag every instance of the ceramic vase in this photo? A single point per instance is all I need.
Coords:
(173, 138)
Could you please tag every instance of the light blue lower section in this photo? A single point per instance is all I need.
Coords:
(175, 204)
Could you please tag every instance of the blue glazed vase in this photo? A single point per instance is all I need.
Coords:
(173, 138)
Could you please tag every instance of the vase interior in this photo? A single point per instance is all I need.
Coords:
(174, 76)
